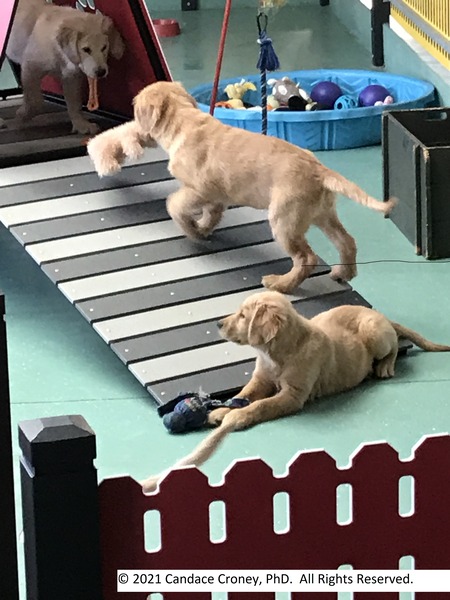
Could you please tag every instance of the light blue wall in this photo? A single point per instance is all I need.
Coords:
(400, 58)
(356, 18)
(168, 5)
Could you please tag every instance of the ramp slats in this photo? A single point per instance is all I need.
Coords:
(151, 294)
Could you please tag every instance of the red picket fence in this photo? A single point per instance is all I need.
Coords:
(376, 537)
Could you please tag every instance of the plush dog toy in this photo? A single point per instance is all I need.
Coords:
(190, 411)
(235, 93)
(289, 94)
(266, 4)
(110, 149)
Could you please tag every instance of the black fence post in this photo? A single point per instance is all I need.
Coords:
(9, 585)
(381, 9)
(60, 509)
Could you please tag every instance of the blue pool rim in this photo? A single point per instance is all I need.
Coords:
(327, 129)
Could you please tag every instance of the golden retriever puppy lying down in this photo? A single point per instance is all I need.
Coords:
(218, 166)
(301, 359)
(67, 43)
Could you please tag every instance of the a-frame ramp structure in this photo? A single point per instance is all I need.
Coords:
(151, 294)
(7, 12)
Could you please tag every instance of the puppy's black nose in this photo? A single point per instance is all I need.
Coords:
(100, 72)
(219, 324)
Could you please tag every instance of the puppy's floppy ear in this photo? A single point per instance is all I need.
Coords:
(116, 44)
(67, 40)
(145, 109)
(151, 107)
(265, 324)
(181, 89)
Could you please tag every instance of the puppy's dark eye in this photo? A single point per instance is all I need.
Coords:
(103, 49)
(86, 49)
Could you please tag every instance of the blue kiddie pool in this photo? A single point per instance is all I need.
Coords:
(324, 129)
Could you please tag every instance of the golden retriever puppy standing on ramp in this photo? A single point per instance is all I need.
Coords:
(301, 359)
(64, 42)
(218, 166)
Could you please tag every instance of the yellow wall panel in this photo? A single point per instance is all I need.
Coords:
(436, 14)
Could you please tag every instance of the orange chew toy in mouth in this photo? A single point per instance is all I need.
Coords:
(93, 102)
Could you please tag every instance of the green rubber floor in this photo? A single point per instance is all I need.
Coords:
(59, 365)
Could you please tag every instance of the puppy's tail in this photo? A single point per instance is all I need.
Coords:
(418, 340)
(337, 183)
(197, 457)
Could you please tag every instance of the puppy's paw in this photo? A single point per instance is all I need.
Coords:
(203, 232)
(385, 369)
(107, 166)
(239, 418)
(85, 127)
(190, 228)
(106, 155)
(132, 148)
(25, 113)
(343, 272)
(277, 283)
(216, 416)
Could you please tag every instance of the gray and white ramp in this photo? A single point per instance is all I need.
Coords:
(151, 294)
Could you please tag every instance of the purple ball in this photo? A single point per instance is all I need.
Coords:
(325, 93)
(371, 94)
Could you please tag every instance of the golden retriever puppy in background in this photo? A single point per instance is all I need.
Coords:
(218, 166)
(66, 43)
(300, 359)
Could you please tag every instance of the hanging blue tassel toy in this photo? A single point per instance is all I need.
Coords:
(268, 61)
